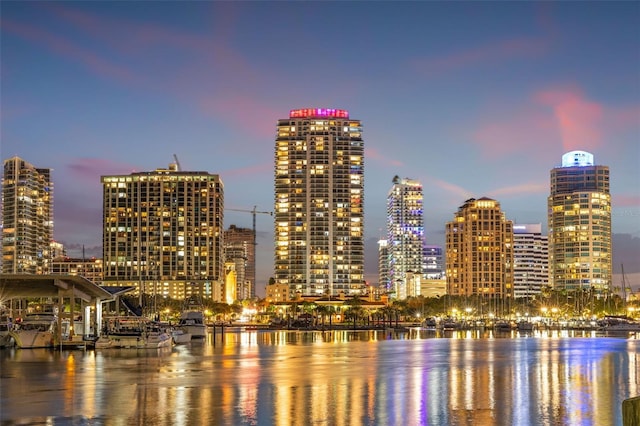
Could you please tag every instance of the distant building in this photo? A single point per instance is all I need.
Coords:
(530, 260)
(27, 218)
(479, 251)
(319, 203)
(384, 283)
(163, 232)
(579, 224)
(434, 262)
(239, 249)
(277, 293)
(433, 287)
(90, 269)
(405, 236)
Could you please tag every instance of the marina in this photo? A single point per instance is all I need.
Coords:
(267, 377)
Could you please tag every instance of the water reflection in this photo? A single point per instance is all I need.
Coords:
(330, 378)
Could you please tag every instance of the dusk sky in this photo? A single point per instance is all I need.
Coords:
(472, 99)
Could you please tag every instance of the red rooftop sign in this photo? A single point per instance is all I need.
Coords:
(318, 113)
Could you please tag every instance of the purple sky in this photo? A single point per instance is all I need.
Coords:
(471, 98)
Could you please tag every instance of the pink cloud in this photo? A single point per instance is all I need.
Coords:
(578, 119)
(486, 53)
(626, 200)
(89, 170)
(67, 48)
(375, 155)
(514, 131)
(244, 112)
(521, 189)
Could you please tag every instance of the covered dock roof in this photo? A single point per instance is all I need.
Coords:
(29, 285)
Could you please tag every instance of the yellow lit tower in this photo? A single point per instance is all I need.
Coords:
(27, 218)
(319, 199)
(579, 224)
(163, 233)
(479, 252)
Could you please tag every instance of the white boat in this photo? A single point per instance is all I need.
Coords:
(133, 332)
(36, 329)
(192, 319)
(180, 336)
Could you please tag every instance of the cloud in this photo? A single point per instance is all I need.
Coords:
(488, 53)
(521, 189)
(61, 45)
(375, 155)
(579, 119)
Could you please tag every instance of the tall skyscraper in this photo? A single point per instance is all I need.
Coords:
(163, 232)
(530, 260)
(405, 235)
(319, 203)
(239, 249)
(479, 251)
(579, 224)
(27, 218)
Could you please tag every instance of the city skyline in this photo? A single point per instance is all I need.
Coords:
(472, 99)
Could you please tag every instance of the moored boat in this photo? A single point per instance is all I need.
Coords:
(6, 325)
(192, 319)
(133, 332)
(618, 324)
(36, 329)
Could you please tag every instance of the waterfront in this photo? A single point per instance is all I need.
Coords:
(330, 378)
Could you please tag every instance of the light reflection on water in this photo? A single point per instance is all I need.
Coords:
(330, 378)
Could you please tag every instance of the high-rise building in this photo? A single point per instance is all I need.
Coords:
(384, 284)
(479, 251)
(163, 232)
(239, 249)
(579, 224)
(27, 218)
(319, 203)
(530, 260)
(405, 236)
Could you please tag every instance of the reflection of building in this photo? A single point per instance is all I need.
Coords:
(405, 236)
(530, 260)
(27, 218)
(579, 216)
(239, 249)
(319, 201)
(90, 269)
(163, 232)
(479, 252)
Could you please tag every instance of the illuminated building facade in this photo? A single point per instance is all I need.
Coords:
(319, 203)
(163, 232)
(27, 218)
(90, 269)
(579, 224)
(240, 250)
(384, 284)
(530, 260)
(405, 236)
(479, 251)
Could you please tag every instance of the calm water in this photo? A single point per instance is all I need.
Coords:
(330, 378)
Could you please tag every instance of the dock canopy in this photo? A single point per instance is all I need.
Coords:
(29, 285)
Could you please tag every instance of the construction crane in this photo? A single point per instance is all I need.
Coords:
(254, 212)
(175, 157)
